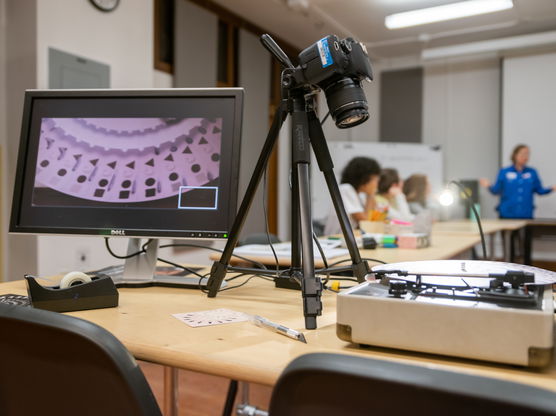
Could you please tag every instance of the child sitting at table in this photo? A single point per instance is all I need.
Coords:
(358, 187)
(390, 197)
(417, 190)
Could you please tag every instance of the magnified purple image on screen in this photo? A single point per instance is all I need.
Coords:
(155, 162)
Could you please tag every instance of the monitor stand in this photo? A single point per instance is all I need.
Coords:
(142, 271)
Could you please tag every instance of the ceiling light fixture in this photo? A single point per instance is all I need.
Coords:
(446, 12)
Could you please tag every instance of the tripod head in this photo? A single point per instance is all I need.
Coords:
(276, 50)
(337, 67)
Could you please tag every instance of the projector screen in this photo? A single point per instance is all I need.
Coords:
(529, 117)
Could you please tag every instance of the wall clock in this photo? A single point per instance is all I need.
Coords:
(105, 5)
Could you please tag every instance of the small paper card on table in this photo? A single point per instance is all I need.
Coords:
(212, 317)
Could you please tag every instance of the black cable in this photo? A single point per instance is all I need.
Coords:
(468, 197)
(267, 273)
(201, 277)
(237, 276)
(230, 399)
(375, 260)
(270, 277)
(324, 119)
(346, 260)
(200, 287)
(347, 279)
(321, 251)
(179, 266)
(176, 265)
(260, 265)
(327, 278)
(143, 249)
(466, 284)
(241, 284)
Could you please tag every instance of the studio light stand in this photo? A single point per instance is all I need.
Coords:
(298, 100)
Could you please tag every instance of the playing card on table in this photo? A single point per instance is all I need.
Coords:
(211, 317)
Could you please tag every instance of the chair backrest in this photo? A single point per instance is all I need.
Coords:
(334, 384)
(60, 365)
(260, 238)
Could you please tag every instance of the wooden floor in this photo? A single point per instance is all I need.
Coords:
(201, 394)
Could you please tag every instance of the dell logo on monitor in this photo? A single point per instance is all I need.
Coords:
(117, 232)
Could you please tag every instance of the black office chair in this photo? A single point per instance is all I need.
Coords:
(54, 364)
(259, 238)
(334, 384)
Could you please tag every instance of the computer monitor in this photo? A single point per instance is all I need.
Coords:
(136, 163)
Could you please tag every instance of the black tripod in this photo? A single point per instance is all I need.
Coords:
(298, 101)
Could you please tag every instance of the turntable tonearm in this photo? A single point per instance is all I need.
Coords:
(483, 310)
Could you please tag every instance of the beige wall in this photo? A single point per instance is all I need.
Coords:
(122, 39)
(195, 50)
(20, 252)
(3, 129)
(461, 112)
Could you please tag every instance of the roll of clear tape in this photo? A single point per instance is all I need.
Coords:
(73, 278)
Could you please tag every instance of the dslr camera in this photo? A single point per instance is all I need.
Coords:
(338, 67)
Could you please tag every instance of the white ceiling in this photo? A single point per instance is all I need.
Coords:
(364, 20)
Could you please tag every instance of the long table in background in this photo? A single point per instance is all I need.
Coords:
(535, 228)
(491, 227)
(442, 247)
(470, 226)
(449, 239)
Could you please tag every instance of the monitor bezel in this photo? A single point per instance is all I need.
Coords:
(31, 95)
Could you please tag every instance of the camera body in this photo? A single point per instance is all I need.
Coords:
(338, 67)
(331, 58)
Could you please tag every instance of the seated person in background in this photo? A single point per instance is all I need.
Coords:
(417, 189)
(390, 197)
(357, 188)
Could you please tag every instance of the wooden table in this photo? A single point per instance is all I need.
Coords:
(490, 228)
(244, 351)
(534, 228)
(444, 245)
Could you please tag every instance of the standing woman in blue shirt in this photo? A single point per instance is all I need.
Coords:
(516, 186)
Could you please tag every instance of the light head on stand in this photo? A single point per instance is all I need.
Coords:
(447, 198)
(335, 66)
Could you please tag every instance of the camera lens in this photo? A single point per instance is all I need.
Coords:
(347, 103)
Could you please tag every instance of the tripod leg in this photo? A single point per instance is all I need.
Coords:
(219, 268)
(359, 267)
(302, 226)
(296, 260)
(311, 286)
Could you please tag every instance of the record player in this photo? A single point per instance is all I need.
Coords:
(492, 311)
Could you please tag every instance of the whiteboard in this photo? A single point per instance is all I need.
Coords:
(528, 117)
(407, 158)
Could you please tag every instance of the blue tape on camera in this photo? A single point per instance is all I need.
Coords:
(324, 52)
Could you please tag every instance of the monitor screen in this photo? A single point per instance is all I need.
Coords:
(139, 163)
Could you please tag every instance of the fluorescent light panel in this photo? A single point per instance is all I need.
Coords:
(446, 12)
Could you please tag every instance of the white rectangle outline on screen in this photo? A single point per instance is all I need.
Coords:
(199, 187)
